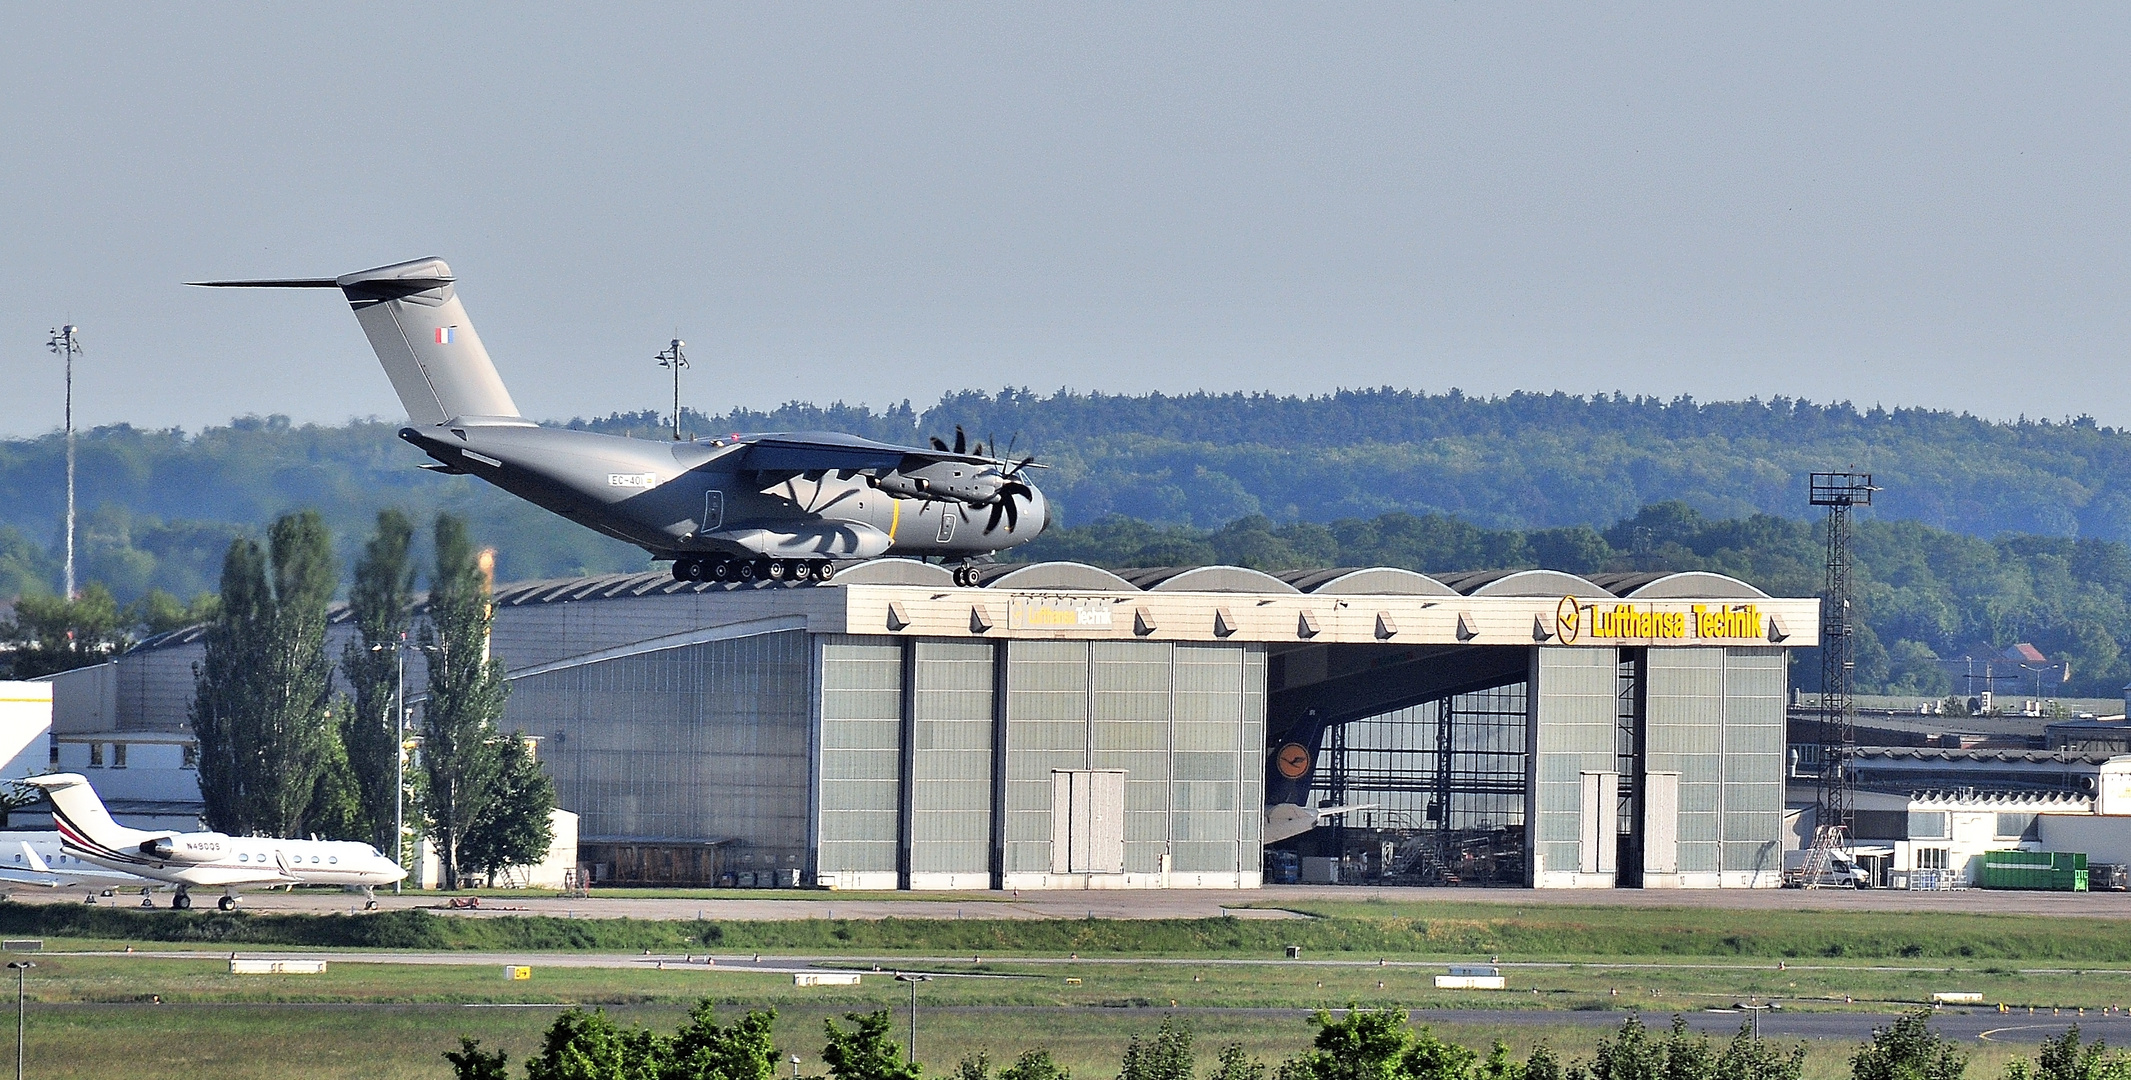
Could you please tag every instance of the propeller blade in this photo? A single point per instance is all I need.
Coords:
(998, 510)
(1013, 515)
(961, 442)
(1020, 465)
(939, 444)
(978, 450)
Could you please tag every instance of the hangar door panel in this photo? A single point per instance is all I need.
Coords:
(1088, 821)
(1661, 816)
(950, 799)
(860, 780)
(1715, 719)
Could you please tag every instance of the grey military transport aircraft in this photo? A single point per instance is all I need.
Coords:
(778, 506)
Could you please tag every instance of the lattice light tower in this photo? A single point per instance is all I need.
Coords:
(1839, 492)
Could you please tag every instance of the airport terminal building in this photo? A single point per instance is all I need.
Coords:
(1059, 726)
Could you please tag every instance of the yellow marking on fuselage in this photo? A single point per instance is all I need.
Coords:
(895, 516)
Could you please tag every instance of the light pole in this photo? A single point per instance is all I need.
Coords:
(795, 1067)
(22, 971)
(65, 342)
(399, 753)
(671, 357)
(913, 980)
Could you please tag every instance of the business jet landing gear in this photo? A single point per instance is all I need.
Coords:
(228, 902)
(183, 900)
(369, 898)
(147, 897)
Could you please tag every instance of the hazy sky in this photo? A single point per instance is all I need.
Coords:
(1904, 205)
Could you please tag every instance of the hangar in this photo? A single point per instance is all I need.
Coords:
(1055, 725)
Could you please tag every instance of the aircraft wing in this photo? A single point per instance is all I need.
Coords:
(37, 871)
(824, 451)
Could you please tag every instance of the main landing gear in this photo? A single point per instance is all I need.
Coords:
(227, 903)
(722, 568)
(183, 900)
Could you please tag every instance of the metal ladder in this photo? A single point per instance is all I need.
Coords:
(1826, 839)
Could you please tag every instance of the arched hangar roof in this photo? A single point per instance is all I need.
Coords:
(1080, 577)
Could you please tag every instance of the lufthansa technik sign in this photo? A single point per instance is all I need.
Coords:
(1587, 621)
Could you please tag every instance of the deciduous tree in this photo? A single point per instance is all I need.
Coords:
(381, 605)
(466, 692)
(866, 1052)
(261, 691)
(514, 828)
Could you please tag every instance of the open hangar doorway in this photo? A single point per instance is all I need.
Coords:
(1529, 766)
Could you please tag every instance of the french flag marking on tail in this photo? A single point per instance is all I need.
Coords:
(444, 334)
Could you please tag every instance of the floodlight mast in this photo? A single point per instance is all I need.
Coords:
(1839, 493)
(671, 357)
(66, 342)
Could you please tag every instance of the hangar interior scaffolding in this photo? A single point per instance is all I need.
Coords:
(1445, 782)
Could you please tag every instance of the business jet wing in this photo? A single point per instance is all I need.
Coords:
(35, 870)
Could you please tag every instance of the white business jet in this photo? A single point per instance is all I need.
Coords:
(40, 858)
(208, 860)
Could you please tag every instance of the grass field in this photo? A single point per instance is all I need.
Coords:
(96, 1014)
(1459, 929)
(388, 1042)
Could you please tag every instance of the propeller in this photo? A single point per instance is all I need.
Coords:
(961, 445)
(1005, 509)
(1004, 500)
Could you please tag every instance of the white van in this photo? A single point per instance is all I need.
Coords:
(1842, 872)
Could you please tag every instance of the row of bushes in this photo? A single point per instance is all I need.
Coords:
(1360, 1044)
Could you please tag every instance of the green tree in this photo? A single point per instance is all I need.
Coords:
(470, 1062)
(50, 634)
(514, 828)
(381, 605)
(589, 1046)
(158, 612)
(261, 691)
(1908, 1050)
(1749, 1058)
(466, 692)
(702, 1050)
(1365, 1044)
(1167, 1056)
(1034, 1064)
(1235, 1064)
(336, 811)
(866, 1052)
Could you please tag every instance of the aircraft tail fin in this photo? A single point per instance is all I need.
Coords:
(84, 823)
(411, 313)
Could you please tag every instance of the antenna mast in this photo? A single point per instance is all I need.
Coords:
(671, 357)
(65, 342)
(1839, 492)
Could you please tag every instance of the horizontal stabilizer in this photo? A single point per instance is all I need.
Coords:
(421, 334)
(271, 283)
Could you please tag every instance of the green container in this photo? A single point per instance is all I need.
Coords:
(2054, 871)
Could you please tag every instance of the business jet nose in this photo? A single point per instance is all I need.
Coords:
(394, 873)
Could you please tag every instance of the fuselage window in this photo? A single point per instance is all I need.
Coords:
(242, 857)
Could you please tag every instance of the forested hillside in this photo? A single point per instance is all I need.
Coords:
(1985, 532)
(159, 506)
(1924, 593)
